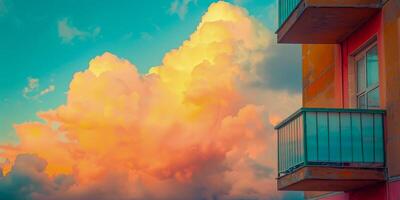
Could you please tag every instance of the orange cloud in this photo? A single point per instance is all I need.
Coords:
(192, 128)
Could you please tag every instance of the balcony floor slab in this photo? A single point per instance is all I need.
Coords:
(323, 25)
(314, 178)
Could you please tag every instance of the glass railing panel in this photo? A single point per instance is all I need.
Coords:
(346, 138)
(286, 7)
(356, 137)
(378, 135)
(322, 135)
(339, 137)
(311, 136)
(290, 145)
(367, 121)
(334, 137)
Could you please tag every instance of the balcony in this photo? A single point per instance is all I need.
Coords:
(322, 21)
(331, 149)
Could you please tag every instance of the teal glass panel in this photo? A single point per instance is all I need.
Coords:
(283, 157)
(368, 137)
(372, 67)
(378, 134)
(311, 136)
(346, 144)
(373, 98)
(291, 150)
(295, 141)
(285, 148)
(289, 147)
(323, 136)
(334, 137)
(361, 85)
(279, 151)
(356, 137)
(286, 8)
(301, 140)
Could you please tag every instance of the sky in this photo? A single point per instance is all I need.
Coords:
(73, 70)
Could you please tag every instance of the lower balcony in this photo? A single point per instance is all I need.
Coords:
(331, 149)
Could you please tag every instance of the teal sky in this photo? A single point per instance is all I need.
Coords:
(48, 41)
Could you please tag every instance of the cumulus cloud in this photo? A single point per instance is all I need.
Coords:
(180, 7)
(32, 90)
(67, 32)
(27, 179)
(193, 127)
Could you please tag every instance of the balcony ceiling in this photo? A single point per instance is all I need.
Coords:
(311, 23)
(330, 179)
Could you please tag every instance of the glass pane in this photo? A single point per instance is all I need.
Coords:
(311, 136)
(373, 98)
(296, 136)
(291, 144)
(362, 101)
(368, 137)
(334, 137)
(361, 75)
(372, 67)
(345, 129)
(279, 150)
(323, 136)
(301, 135)
(284, 148)
(356, 137)
(378, 133)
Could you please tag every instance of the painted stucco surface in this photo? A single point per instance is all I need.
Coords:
(391, 43)
(320, 76)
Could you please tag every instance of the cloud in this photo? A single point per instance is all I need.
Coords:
(27, 179)
(193, 127)
(32, 90)
(33, 84)
(67, 32)
(180, 7)
(50, 88)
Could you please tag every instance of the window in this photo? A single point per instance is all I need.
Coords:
(367, 66)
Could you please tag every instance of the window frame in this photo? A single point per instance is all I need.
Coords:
(362, 54)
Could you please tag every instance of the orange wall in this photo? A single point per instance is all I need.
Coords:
(391, 72)
(321, 79)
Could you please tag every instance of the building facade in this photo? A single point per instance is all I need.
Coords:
(345, 143)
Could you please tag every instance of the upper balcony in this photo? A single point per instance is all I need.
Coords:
(322, 21)
(331, 149)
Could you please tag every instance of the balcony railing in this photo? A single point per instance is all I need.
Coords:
(286, 8)
(331, 137)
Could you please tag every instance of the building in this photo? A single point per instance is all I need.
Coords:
(345, 142)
